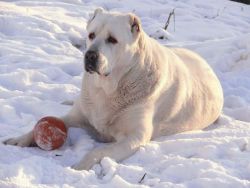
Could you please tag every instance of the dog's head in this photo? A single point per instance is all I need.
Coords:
(111, 40)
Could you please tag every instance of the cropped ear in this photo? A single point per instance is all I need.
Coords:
(93, 15)
(135, 23)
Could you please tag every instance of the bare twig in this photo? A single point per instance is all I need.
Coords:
(172, 13)
(143, 178)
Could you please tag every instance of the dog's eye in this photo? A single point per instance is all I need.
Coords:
(91, 36)
(112, 40)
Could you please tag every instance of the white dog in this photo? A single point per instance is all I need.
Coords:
(134, 89)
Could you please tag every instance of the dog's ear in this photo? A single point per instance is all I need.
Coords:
(135, 23)
(93, 15)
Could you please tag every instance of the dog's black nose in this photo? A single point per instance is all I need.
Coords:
(91, 58)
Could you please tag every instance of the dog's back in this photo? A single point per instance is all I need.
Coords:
(193, 100)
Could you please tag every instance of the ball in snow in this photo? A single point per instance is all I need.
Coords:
(50, 133)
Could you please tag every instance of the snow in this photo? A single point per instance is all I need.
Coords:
(40, 68)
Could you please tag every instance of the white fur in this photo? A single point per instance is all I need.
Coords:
(150, 91)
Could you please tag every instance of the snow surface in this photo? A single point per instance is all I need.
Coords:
(40, 68)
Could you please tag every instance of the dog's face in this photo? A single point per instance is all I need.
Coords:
(111, 37)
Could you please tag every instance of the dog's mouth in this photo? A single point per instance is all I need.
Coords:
(90, 70)
(106, 74)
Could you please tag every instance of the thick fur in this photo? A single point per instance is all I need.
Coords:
(150, 90)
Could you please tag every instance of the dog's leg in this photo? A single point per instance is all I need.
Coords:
(22, 141)
(118, 151)
(73, 119)
(129, 142)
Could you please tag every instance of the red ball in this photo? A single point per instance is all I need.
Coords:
(50, 133)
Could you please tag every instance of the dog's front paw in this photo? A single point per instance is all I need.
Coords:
(17, 142)
(22, 141)
(84, 164)
(89, 160)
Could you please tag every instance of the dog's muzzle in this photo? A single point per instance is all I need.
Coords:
(91, 61)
